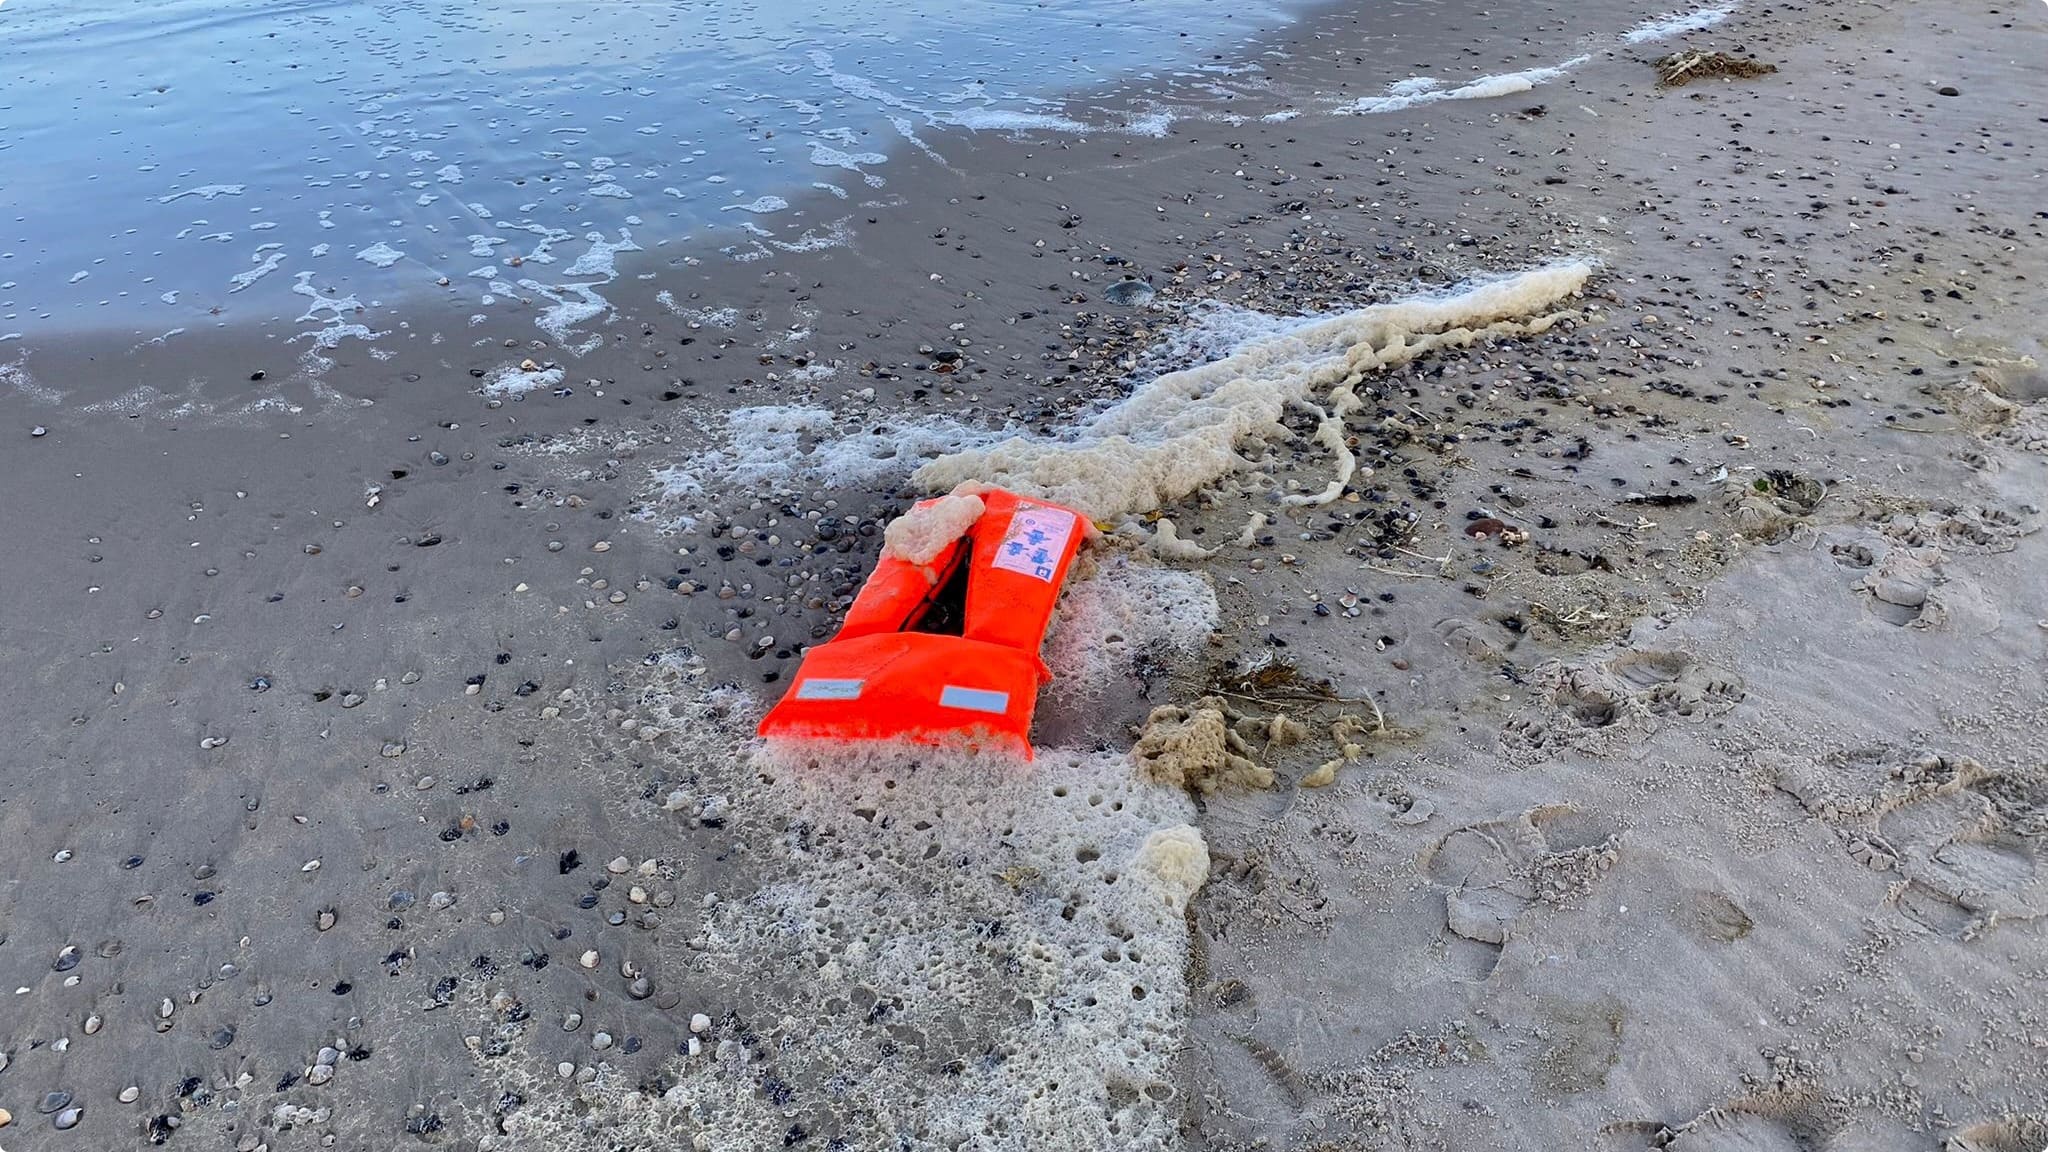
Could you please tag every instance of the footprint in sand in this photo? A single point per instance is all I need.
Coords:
(1674, 684)
(1856, 555)
(1966, 842)
(1905, 587)
(1493, 872)
(2024, 1133)
(1529, 734)
(1775, 503)
(1712, 917)
(2006, 405)
(1911, 586)
(1901, 559)
(1468, 638)
(1960, 527)
(1755, 1126)
(1632, 692)
(1792, 1116)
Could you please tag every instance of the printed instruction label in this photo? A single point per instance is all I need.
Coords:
(1035, 542)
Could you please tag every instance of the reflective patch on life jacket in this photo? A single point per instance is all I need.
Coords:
(1035, 542)
(818, 688)
(974, 699)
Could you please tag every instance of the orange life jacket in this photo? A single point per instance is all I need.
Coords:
(911, 663)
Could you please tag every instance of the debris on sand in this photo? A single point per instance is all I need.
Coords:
(1342, 733)
(1775, 503)
(1210, 745)
(1270, 680)
(1274, 683)
(1685, 67)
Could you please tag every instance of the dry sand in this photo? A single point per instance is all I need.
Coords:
(378, 771)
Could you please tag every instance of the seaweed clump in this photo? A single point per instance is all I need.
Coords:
(1685, 67)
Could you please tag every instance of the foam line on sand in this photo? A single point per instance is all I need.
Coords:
(1182, 431)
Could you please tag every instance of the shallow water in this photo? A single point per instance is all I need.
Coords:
(180, 165)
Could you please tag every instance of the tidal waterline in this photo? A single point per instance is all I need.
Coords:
(184, 165)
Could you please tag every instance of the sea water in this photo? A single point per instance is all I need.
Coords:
(182, 164)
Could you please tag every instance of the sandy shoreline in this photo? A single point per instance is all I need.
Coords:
(1700, 805)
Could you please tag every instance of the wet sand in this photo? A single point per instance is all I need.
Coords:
(374, 763)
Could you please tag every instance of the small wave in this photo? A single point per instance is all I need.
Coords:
(1676, 24)
(1420, 90)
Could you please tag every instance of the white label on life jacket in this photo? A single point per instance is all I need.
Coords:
(816, 688)
(974, 699)
(1036, 541)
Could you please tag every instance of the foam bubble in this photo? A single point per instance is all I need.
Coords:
(920, 534)
(761, 204)
(773, 446)
(1421, 90)
(1155, 124)
(513, 380)
(1008, 936)
(569, 305)
(698, 317)
(205, 192)
(1175, 861)
(601, 258)
(380, 254)
(838, 235)
(16, 379)
(826, 156)
(1005, 120)
(332, 312)
(269, 263)
(1213, 329)
(1126, 612)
